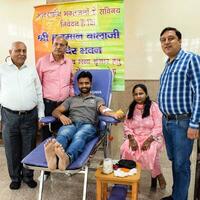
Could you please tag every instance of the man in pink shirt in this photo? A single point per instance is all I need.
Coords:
(55, 72)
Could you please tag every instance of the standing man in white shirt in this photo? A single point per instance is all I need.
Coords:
(21, 107)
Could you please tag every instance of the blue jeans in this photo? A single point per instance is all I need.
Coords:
(179, 149)
(73, 138)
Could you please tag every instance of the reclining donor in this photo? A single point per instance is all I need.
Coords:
(79, 127)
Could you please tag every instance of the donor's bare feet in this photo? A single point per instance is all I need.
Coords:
(63, 158)
(50, 154)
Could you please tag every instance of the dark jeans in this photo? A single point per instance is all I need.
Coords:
(197, 174)
(19, 136)
(179, 149)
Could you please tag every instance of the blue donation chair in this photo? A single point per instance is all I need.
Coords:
(101, 86)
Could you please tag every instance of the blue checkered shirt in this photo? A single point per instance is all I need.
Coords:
(180, 87)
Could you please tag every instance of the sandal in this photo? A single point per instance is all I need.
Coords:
(161, 181)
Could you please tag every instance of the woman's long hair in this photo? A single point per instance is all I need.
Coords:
(147, 103)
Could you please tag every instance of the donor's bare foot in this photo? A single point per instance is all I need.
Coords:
(50, 154)
(63, 158)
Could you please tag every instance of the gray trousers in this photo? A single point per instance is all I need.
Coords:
(19, 136)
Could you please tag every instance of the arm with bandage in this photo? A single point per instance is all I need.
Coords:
(108, 112)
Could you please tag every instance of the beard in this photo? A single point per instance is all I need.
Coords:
(85, 90)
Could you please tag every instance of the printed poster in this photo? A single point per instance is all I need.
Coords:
(93, 29)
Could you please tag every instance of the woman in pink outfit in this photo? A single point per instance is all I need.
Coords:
(143, 133)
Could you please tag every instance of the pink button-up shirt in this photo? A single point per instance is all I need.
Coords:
(56, 78)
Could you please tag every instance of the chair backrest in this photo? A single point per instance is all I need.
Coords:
(101, 83)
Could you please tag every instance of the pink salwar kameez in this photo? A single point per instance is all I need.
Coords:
(141, 129)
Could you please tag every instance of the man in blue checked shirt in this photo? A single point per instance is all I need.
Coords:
(179, 101)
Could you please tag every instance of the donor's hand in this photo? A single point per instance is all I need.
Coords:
(65, 120)
(119, 114)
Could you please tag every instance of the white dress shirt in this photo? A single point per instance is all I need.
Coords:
(20, 89)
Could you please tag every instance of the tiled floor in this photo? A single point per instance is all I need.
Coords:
(61, 187)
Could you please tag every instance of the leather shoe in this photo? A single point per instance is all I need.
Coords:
(167, 198)
(31, 183)
(15, 185)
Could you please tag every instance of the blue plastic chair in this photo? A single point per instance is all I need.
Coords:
(101, 86)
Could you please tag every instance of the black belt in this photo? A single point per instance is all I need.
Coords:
(177, 117)
(52, 102)
(23, 112)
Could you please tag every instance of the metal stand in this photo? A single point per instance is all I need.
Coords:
(41, 185)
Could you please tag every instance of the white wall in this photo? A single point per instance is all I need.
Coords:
(144, 20)
(16, 24)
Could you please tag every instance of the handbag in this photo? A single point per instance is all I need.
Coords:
(123, 163)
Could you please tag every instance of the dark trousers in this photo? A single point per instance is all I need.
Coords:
(19, 136)
(49, 107)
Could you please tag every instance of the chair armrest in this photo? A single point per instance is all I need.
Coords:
(48, 119)
(108, 119)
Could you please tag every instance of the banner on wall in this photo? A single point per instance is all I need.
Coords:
(93, 29)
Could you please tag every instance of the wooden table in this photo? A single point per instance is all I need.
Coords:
(102, 181)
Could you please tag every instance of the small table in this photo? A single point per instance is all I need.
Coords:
(102, 181)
